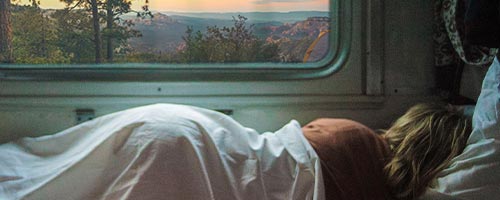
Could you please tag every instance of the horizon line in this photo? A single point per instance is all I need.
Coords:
(213, 12)
(242, 11)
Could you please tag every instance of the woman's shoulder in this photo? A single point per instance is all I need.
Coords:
(352, 158)
(339, 127)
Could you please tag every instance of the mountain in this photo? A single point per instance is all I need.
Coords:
(295, 38)
(159, 34)
(255, 17)
(311, 27)
(163, 33)
(201, 23)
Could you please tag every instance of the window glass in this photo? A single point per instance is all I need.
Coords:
(202, 33)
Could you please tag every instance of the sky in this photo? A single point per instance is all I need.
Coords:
(219, 5)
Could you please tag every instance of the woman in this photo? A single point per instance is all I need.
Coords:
(179, 152)
(399, 164)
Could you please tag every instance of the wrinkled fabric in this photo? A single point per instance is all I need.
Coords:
(475, 174)
(162, 152)
(450, 45)
(352, 159)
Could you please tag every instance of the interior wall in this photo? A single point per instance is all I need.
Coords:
(408, 79)
(408, 46)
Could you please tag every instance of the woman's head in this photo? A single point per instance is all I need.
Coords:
(423, 142)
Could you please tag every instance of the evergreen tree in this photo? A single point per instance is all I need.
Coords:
(111, 12)
(34, 37)
(97, 31)
(75, 34)
(5, 32)
(119, 30)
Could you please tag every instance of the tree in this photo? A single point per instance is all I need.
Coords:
(194, 50)
(110, 21)
(5, 32)
(35, 38)
(112, 10)
(227, 44)
(93, 7)
(118, 30)
(97, 31)
(75, 34)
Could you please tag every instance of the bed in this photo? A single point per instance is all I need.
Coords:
(475, 174)
(161, 152)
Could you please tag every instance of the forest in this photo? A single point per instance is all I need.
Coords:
(105, 31)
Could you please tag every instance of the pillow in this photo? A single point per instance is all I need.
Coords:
(475, 174)
(352, 159)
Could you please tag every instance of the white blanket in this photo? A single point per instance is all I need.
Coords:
(162, 152)
(475, 174)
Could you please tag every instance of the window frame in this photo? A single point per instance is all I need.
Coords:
(340, 41)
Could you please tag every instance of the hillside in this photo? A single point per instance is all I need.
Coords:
(159, 34)
(255, 17)
(310, 27)
(294, 39)
(163, 33)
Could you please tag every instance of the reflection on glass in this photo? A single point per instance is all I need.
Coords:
(142, 31)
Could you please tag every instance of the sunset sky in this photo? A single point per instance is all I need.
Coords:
(218, 5)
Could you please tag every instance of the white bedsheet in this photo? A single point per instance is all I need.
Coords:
(162, 152)
(475, 174)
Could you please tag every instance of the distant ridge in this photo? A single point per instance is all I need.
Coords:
(255, 17)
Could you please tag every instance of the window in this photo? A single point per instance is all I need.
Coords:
(172, 40)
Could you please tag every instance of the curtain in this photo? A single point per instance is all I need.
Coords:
(452, 44)
(466, 33)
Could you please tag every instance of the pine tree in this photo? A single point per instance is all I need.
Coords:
(114, 31)
(5, 32)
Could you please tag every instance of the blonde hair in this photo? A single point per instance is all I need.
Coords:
(423, 142)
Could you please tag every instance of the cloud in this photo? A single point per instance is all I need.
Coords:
(281, 1)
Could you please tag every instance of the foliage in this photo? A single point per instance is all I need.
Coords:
(5, 32)
(75, 34)
(69, 36)
(116, 33)
(117, 30)
(35, 40)
(145, 57)
(227, 44)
